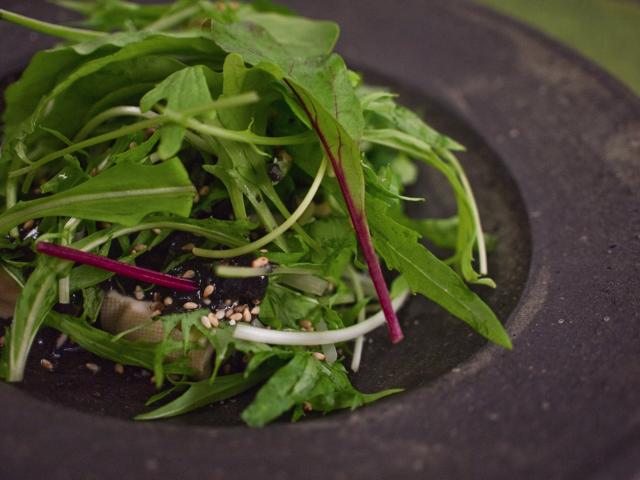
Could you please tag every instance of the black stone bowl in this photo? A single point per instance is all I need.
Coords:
(554, 155)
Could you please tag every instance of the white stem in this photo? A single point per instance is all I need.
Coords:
(357, 348)
(277, 337)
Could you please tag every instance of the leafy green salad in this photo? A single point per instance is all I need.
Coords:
(205, 190)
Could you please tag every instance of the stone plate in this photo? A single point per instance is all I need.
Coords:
(554, 154)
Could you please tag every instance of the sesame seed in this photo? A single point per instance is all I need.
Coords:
(255, 310)
(28, 224)
(92, 367)
(118, 368)
(132, 145)
(204, 191)
(263, 250)
(215, 323)
(206, 301)
(208, 290)
(60, 341)
(140, 247)
(157, 231)
(206, 322)
(256, 301)
(236, 317)
(305, 324)
(138, 293)
(190, 306)
(232, 323)
(196, 198)
(187, 247)
(228, 301)
(246, 315)
(319, 356)
(152, 379)
(260, 262)
(168, 301)
(220, 314)
(239, 308)
(189, 274)
(228, 313)
(46, 364)
(307, 407)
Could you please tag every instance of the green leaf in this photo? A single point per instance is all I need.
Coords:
(184, 90)
(204, 393)
(71, 175)
(287, 387)
(429, 276)
(122, 194)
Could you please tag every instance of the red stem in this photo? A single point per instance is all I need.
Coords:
(359, 221)
(120, 268)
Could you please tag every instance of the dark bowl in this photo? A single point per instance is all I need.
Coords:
(554, 148)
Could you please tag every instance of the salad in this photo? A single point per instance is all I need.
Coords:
(205, 190)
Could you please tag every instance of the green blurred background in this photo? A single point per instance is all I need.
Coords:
(606, 31)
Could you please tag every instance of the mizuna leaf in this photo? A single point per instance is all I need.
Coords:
(429, 276)
(122, 194)
(322, 88)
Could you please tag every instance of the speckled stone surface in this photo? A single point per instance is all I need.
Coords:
(565, 404)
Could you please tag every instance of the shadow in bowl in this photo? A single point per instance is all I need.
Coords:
(435, 342)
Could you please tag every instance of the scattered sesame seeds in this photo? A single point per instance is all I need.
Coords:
(235, 317)
(246, 315)
(46, 364)
(118, 368)
(190, 306)
(92, 367)
(306, 325)
(319, 356)
(168, 301)
(189, 274)
(220, 314)
(206, 322)
(260, 262)
(255, 310)
(208, 290)
(28, 224)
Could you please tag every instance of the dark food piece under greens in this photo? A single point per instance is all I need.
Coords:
(225, 143)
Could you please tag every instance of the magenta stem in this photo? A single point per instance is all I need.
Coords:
(119, 268)
(359, 221)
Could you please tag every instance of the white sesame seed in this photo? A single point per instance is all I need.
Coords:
(60, 341)
(307, 407)
(157, 231)
(189, 274)
(228, 313)
(206, 323)
(28, 224)
(220, 314)
(196, 198)
(204, 191)
(232, 323)
(132, 145)
(215, 323)
(92, 367)
(255, 310)
(319, 356)
(46, 364)
(140, 247)
(168, 301)
(246, 315)
(208, 290)
(206, 301)
(264, 250)
(305, 324)
(118, 368)
(190, 306)
(260, 262)
(228, 301)
(138, 293)
(236, 317)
